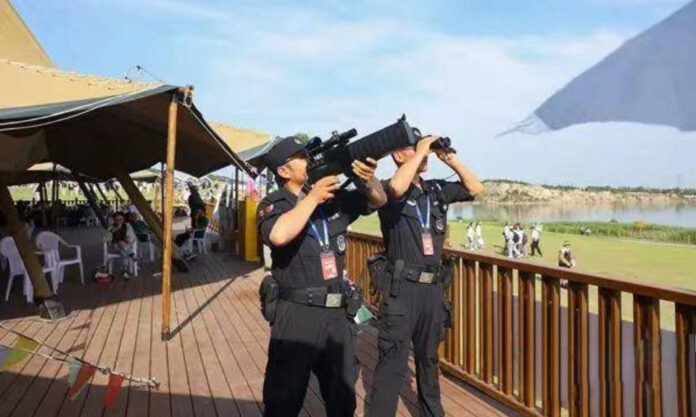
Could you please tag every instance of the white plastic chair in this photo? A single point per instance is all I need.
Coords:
(16, 265)
(110, 257)
(146, 246)
(198, 241)
(51, 242)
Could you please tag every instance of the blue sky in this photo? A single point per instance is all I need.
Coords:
(466, 69)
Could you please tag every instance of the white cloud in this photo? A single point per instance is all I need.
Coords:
(284, 70)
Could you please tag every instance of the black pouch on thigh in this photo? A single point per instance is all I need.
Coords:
(447, 270)
(447, 317)
(269, 293)
(379, 276)
(392, 327)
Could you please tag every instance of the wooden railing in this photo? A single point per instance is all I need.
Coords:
(523, 334)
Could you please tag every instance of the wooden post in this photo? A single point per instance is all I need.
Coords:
(42, 195)
(101, 193)
(161, 189)
(92, 201)
(149, 216)
(115, 191)
(24, 246)
(156, 201)
(168, 210)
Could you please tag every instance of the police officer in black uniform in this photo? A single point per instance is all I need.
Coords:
(311, 331)
(414, 308)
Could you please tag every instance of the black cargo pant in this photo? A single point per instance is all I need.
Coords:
(308, 339)
(536, 248)
(418, 315)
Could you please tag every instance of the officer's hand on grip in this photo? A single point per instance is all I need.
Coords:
(324, 189)
(423, 145)
(365, 170)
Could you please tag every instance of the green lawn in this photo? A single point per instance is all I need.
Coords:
(661, 263)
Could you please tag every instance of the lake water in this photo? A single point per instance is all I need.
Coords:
(671, 215)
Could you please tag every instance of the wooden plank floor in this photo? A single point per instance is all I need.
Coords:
(213, 365)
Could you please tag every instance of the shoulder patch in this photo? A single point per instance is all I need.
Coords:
(265, 210)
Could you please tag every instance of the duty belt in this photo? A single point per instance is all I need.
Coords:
(318, 297)
(423, 274)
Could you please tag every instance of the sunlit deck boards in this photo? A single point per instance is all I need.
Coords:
(212, 366)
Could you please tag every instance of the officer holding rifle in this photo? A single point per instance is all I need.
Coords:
(412, 277)
(307, 300)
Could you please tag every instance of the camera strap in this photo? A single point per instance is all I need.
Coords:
(329, 267)
(426, 236)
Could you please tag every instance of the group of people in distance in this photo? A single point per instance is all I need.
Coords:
(516, 244)
(126, 227)
(474, 236)
(516, 240)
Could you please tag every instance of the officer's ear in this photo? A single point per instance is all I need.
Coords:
(399, 157)
(284, 172)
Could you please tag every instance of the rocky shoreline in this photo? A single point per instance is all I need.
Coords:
(510, 192)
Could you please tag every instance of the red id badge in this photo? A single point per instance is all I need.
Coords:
(329, 269)
(427, 243)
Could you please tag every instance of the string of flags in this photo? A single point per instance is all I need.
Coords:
(80, 371)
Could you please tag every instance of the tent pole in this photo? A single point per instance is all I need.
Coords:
(101, 193)
(115, 191)
(168, 209)
(54, 197)
(42, 196)
(24, 246)
(149, 216)
(161, 185)
(92, 201)
(236, 199)
(156, 202)
(110, 186)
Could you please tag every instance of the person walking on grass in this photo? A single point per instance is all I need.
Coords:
(470, 244)
(536, 237)
(479, 236)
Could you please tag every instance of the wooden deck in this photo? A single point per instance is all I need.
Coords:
(213, 365)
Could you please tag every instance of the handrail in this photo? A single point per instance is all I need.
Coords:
(664, 292)
(494, 341)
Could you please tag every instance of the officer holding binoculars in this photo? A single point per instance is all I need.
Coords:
(412, 277)
(307, 300)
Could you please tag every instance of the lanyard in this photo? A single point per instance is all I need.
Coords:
(424, 224)
(324, 243)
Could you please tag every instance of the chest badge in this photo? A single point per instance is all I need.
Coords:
(440, 225)
(341, 243)
(411, 202)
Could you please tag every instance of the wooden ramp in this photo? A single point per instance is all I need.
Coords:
(212, 366)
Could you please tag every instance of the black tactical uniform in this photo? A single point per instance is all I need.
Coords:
(413, 304)
(311, 332)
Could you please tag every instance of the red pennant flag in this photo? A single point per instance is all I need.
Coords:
(83, 377)
(112, 390)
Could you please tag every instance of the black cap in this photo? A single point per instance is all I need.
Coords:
(278, 155)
